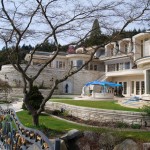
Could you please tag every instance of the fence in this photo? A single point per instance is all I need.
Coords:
(14, 136)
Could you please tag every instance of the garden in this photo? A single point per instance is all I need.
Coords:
(57, 126)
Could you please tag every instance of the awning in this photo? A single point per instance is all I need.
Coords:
(103, 83)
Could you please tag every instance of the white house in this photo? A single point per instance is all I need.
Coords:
(126, 62)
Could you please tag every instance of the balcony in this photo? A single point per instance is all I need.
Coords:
(141, 62)
(127, 72)
(117, 56)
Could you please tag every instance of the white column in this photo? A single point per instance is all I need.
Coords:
(106, 68)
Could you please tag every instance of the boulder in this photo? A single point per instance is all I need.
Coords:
(72, 134)
(127, 144)
(107, 141)
(62, 144)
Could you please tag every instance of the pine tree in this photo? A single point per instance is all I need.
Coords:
(96, 32)
(96, 37)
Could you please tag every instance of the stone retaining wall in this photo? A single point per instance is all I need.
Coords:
(18, 92)
(45, 79)
(101, 115)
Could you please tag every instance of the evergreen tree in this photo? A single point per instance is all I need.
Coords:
(46, 46)
(96, 32)
(96, 37)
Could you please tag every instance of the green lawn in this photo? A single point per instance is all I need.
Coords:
(113, 105)
(63, 126)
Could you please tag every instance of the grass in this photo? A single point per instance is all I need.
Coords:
(60, 98)
(111, 105)
(48, 121)
(59, 126)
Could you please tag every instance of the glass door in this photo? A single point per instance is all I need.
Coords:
(137, 88)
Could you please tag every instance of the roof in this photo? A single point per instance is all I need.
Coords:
(103, 83)
(41, 53)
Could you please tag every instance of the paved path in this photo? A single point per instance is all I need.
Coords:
(17, 105)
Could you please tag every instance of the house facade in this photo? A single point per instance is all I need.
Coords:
(126, 62)
(57, 69)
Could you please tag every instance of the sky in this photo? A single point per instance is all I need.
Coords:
(79, 28)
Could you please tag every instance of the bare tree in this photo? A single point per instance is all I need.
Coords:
(40, 20)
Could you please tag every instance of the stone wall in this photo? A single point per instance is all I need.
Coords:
(101, 115)
(18, 92)
(76, 82)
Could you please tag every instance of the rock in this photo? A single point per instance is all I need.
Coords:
(91, 136)
(128, 144)
(62, 144)
(107, 141)
(146, 146)
(72, 134)
(87, 142)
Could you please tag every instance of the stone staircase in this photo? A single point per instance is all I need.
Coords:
(102, 77)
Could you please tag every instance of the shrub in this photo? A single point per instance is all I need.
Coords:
(136, 126)
(24, 106)
(146, 109)
(56, 112)
(35, 98)
(122, 125)
(65, 113)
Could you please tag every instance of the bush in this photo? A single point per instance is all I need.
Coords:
(146, 109)
(35, 98)
(24, 106)
(56, 112)
(65, 113)
(122, 125)
(136, 126)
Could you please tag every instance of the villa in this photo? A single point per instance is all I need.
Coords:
(126, 62)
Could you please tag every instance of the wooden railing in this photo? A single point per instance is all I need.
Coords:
(14, 136)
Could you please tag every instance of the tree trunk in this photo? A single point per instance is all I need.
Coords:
(35, 119)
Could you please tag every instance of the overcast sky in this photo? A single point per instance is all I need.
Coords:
(68, 7)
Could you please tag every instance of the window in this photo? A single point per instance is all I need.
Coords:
(148, 81)
(127, 65)
(86, 67)
(137, 87)
(126, 48)
(121, 66)
(111, 52)
(124, 87)
(95, 67)
(132, 87)
(142, 87)
(91, 66)
(51, 65)
(79, 63)
(141, 48)
(117, 67)
(111, 67)
(60, 64)
(102, 52)
(71, 63)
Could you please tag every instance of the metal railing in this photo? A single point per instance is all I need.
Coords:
(14, 136)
